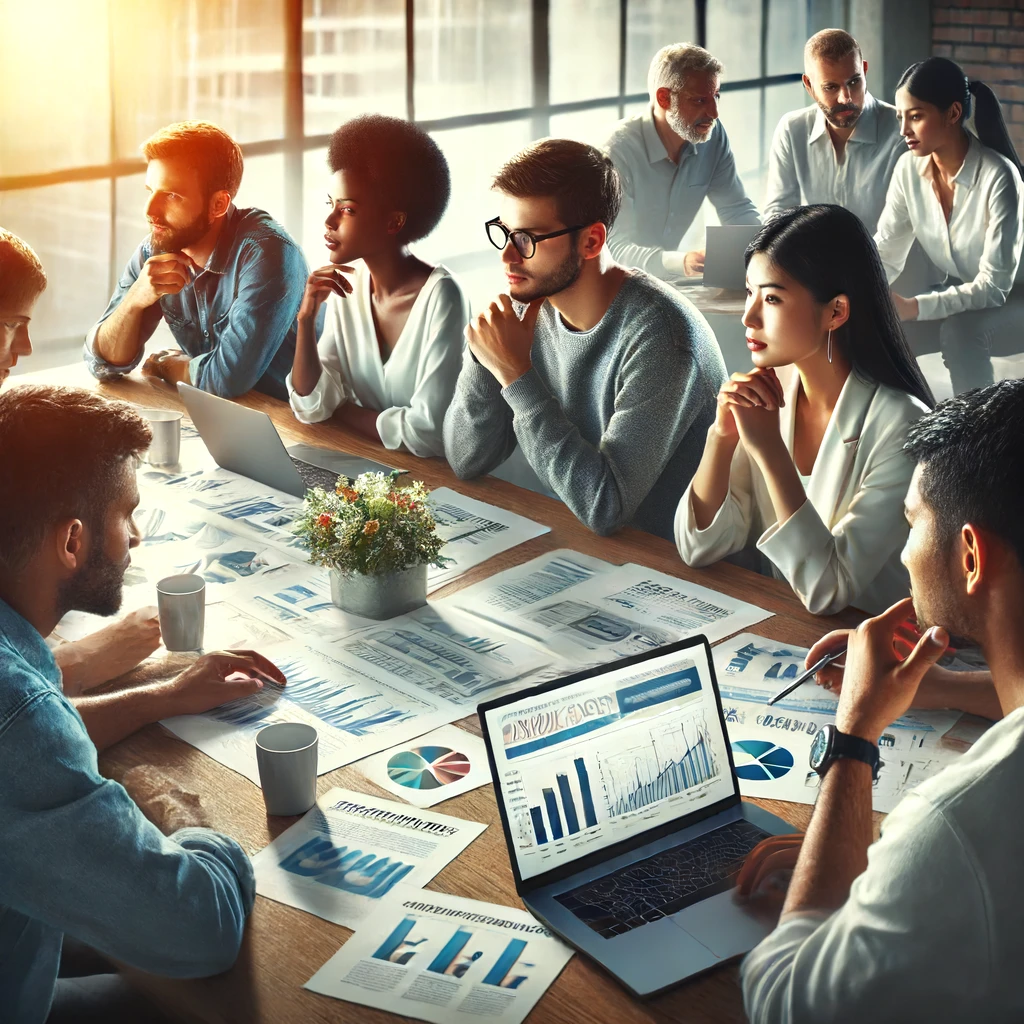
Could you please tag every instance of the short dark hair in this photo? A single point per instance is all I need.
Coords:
(829, 251)
(62, 451)
(214, 154)
(581, 179)
(830, 45)
(402, 161)
(21, 274)
(972, 462)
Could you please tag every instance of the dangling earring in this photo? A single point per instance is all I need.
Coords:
(830, 344)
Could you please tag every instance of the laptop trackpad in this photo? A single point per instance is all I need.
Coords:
(337, 462)
(728, 929)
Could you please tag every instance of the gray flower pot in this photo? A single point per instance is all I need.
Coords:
(380, 597)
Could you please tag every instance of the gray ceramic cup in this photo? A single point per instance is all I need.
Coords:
(166, 446)
(181, 601)
(286, 755)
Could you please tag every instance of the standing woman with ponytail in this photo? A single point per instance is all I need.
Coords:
(959, 193)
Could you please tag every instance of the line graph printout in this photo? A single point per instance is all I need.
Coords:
(356, 708)
(346, 854)
(587, 765)
(443, 958)
(628, 610)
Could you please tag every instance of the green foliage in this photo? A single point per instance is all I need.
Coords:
(370, 526)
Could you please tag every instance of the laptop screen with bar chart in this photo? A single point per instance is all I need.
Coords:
(585, 766)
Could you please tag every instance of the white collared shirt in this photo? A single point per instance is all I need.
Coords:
(803, 167)
(414, 388)
(981, 245)
(660, 198)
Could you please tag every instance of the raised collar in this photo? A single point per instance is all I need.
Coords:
(867, 124)
(223, 252)
(23, 639)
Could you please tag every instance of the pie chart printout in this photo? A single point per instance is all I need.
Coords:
(760, 760)
(428, 767)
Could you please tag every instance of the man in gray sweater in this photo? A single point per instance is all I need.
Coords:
(607, 379)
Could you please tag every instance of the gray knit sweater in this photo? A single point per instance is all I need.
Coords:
(613, 420)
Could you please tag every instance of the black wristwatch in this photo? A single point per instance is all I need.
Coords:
(830, 744)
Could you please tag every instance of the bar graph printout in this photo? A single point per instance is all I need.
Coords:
(442, 958)
(348, 853)
(587, 765)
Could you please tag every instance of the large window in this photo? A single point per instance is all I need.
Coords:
(84, 82)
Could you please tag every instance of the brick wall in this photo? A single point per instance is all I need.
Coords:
(986, 37)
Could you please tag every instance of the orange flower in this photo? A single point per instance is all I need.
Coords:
(324, 519)
(371, 527)
(348, 493)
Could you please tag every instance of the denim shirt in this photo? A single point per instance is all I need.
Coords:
(236, 318)
(77, 855)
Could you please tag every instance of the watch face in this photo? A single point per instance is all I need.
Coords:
(819, 748)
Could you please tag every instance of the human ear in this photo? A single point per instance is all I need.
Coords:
(70, 542)
(396, 222)
(974, 552)
(220, 201)
(663, 98)
(839, 310)
(593, 239)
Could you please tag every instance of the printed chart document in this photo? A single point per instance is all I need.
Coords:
(356, 708)
(626, 611)
(771, 745)
(446, 763)
(474, 531)
(346, 854)
(443, 958)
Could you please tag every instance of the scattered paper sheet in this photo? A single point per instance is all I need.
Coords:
(444, 764)
(474, 531)
(346, 854)
(442, 958)
(356, 708)
(771, 745)
(625, 611)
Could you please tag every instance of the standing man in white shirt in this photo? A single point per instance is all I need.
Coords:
(841, 150)
(669, 159)
(923, 925)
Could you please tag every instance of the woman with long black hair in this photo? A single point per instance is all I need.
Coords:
(809, 472)
(959, 193)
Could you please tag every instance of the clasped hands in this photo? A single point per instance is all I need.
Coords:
(884, 666)
(501, 342)
(748, 410)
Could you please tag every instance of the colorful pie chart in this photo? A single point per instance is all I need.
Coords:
(427, 767)
(761, 761)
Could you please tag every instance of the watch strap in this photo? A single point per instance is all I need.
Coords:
(855, 748)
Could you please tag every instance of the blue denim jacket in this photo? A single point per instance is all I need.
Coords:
(77, 856)
(235, 318)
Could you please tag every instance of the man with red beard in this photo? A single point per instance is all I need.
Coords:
(227, 281)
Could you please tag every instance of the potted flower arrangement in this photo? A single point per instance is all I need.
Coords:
(376, 538)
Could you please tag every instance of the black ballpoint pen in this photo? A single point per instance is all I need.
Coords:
(810, 673)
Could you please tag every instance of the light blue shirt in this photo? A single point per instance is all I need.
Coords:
(660, 198)
(803, 167)
(77, 856)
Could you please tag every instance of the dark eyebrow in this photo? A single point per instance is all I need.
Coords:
(333, 200)
(781, 287)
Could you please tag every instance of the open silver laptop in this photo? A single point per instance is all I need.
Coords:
(246, 441)
(723, 255)
(623, 817)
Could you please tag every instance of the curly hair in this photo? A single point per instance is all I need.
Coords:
(21, 274)
(400, 160)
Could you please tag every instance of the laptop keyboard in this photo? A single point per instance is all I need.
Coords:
(665, 883)
(315, 476)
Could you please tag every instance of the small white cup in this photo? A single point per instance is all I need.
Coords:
(181, 601)
(286, 754)
(166, 426)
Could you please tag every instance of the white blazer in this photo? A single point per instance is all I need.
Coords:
(842, 546)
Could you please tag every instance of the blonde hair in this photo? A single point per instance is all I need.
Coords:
(214, 154)
(671, 65)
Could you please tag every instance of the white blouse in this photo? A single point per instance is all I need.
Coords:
(981, 244)
(414, 388)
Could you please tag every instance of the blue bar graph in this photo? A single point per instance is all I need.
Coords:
(538, 825)
(449, 951)
(554, 819)
(395, 939)
(589, 814)
(572, 822)
(497, 974)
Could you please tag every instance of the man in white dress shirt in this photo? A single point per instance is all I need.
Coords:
(924, 924)
(843, 148)
(670, 159)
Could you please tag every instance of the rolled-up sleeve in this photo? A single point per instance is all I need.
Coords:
(911, 943)
(79, 856)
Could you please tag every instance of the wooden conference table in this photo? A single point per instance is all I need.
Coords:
(284, 947)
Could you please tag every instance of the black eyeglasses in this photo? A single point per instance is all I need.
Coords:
(525, 242)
